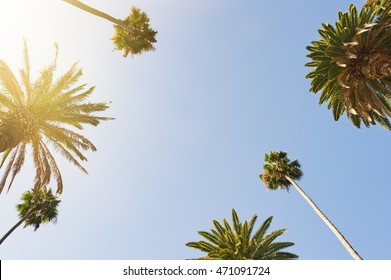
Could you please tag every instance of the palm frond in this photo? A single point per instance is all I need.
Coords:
(8, 168)
(260, 233)
(201, 245)
(211, 237)
(5, 156)
(65, 82)
(25, 71)
(18, 163)
(11, 85)
(67, 155)
(236, 222)
(54, 167)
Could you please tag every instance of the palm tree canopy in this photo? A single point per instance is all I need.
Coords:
(236, 242)
(352, 65)
(277, 167)
(41, 207)
(140, 39)
(41, 113)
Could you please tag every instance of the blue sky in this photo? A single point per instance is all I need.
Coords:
(193, 121)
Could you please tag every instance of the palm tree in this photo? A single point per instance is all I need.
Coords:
(37, 114)
(281, 173)
(36, 208)
(225, 243)
(132, 35)
(352, 65)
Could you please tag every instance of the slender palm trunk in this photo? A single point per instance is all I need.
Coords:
(98, 13)
(339, 235)
(18, 224)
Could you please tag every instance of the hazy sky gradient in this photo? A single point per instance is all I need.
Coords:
(193, 121)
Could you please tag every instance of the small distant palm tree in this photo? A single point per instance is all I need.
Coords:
(281, 173)
(132, 35)
(36, 208)
(37, 113)
(235, 242)
(352, 65)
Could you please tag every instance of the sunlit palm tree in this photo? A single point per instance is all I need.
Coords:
(36, 208)
(132, 35)
(352, 65)
(235, 242)
(281, 173)
(39, 113)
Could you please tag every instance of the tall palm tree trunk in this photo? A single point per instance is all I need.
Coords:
(98, 13)
(19, 223)
(339, 235)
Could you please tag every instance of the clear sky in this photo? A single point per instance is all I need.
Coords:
(193, 121)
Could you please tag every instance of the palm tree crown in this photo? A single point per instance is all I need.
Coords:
(276, 168)
(235, 242)
(352, 65)
(41, 113)
(38, 207)
(141, 37)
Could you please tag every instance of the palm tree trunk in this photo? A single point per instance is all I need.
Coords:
(18, 224)
(339, 235)
(98, 13)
